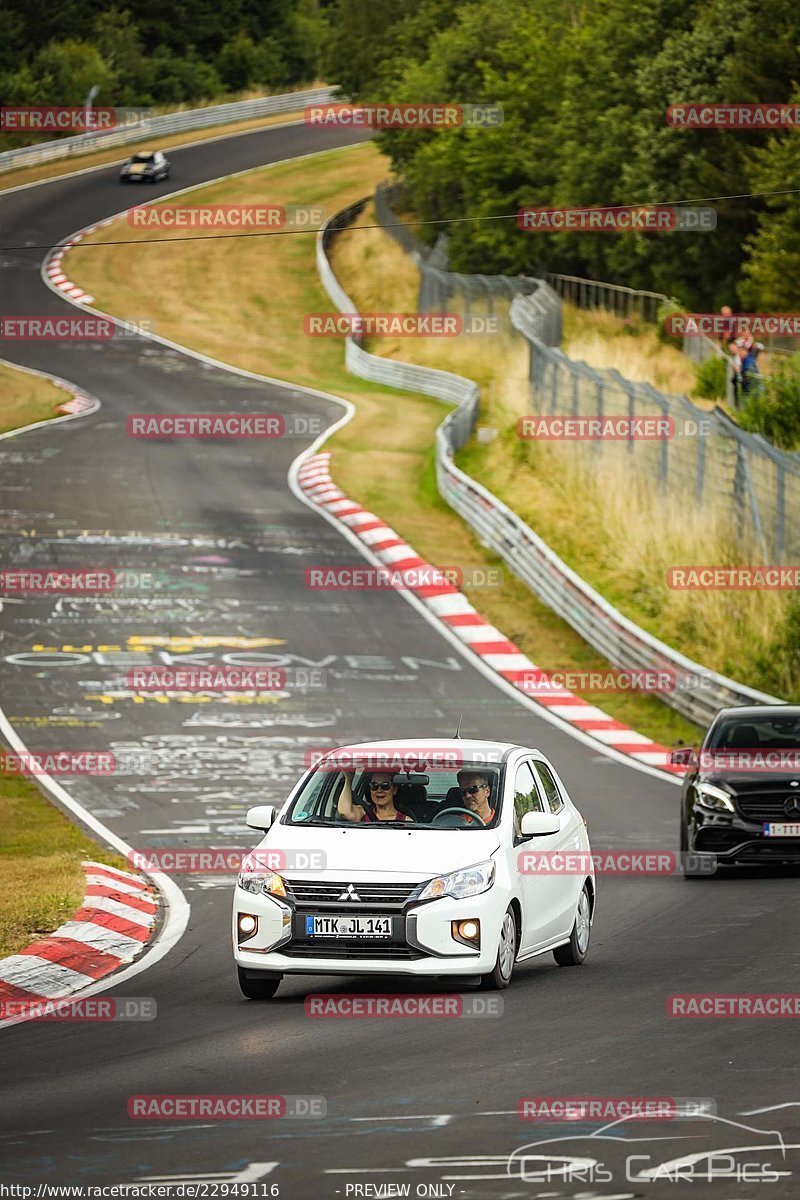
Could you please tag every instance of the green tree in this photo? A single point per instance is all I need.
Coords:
(64, 73)
(239, 63)
(119, 42)
(772, 270)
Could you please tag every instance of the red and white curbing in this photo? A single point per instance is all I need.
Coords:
(54, 266)
(78, 405)
(451, 607)
(113, 926)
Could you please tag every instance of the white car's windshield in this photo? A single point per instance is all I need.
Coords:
(462, 797)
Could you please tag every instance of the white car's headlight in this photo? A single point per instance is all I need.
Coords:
(469, 881)
(714, 798)
(253, 877)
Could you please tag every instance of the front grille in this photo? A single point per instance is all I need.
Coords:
(348, 948)
(764, 806)
(322, 894)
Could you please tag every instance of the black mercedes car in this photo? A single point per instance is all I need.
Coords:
(741, 793)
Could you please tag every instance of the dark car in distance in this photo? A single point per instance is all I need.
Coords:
(148, 166)
(741, 793)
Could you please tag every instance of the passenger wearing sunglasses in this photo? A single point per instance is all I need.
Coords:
(382, 791)
(476, 792)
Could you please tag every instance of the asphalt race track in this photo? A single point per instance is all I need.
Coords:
(219, 544)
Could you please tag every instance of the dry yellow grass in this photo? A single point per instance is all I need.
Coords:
(616, 529)
(41, 878)
(26, 399)
(600, 339)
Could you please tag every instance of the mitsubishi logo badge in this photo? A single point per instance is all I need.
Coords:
(350, 893)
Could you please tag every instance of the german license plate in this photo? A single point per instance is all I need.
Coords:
(782, 829)
(360, 926)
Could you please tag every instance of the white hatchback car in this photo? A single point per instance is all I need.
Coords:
(482, 861)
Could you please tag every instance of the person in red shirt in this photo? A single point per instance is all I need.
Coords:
(382, 791)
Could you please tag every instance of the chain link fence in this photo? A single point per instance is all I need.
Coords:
(708, 460)
(443, 290)
(157, 127)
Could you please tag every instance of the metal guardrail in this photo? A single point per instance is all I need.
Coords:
(698, 693)
(157, 127)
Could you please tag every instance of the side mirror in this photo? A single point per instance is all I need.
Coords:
(260, 817)
(684, 756)
(539, 824)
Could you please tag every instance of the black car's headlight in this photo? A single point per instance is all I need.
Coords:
(714, 798)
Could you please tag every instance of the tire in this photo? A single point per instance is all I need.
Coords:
(499, 978)
(576, 949)
(262, 987)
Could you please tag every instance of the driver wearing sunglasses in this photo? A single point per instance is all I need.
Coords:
(476, 792)
(382, 791)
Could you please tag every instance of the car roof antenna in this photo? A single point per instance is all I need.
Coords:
(457, 733)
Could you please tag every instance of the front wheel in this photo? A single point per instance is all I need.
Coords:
(262, 986)
(500, 977)
(576, 949)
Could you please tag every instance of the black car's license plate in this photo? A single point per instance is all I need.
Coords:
(782, 829)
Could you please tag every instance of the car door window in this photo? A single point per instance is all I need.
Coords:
(554, 798)
(526, 794)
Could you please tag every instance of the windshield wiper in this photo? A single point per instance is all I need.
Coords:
(393, 824)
